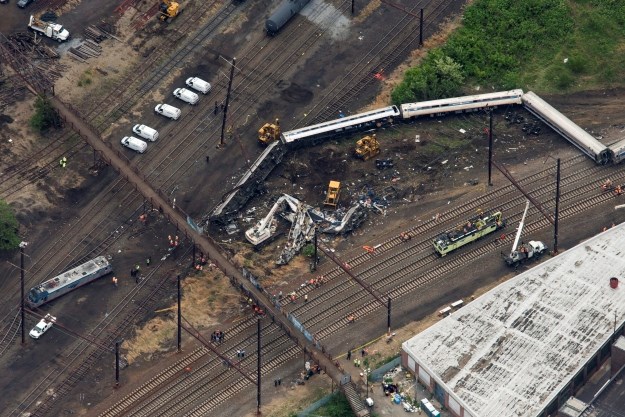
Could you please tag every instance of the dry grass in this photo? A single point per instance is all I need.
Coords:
(207, 297)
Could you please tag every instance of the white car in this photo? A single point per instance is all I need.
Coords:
(43, 326)
(186, 95)
(199, 84)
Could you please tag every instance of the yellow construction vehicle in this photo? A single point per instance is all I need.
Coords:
(332, 198)
(269, 132)
(169, 9)
(367, 147)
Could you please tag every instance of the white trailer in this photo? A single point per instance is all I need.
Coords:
(49, 29)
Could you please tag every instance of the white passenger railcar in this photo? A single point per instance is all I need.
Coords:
(583, 140)
(312, 135)
(618, 151)
(68, 281)
(461, 104)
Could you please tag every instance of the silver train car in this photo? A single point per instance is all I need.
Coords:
(618, 151)
(68, 281)
(312, 135)
(461, 104)
(584, 141)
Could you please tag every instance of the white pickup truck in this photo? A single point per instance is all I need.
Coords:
(51, 30)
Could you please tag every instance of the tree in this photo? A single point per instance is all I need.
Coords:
(45, 116)
(438, 76)
(8, 228)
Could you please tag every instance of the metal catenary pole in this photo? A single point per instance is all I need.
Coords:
(258, 375)
(490, 147)
(223, 123)
(22, 246)
(179, 317)
(556, 216)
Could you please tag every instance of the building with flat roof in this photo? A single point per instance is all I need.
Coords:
(524, 347)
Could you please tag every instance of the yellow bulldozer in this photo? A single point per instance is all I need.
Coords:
(367, 147)
(332, 197)
(169, 9)
(269, 132)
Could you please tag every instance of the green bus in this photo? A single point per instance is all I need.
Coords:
(475, 228)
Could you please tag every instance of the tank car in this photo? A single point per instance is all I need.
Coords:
(583, 140)
(283, 14)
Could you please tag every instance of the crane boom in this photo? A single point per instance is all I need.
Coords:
(518, 233)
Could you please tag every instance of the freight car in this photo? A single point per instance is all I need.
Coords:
(475, 228)
(584, 141)
(283, 14)
(68, 281)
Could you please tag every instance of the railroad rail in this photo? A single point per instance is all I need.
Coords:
(211, 250)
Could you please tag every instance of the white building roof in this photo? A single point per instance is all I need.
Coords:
(511, 351)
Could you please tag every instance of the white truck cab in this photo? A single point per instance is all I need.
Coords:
(43, 326)
(186, 95)
(146, 132)
(199, 85)
(135, 144)
(168, 111)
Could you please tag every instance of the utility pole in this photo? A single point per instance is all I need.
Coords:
(223, 124)
(22, 246)
(490, 146)
(179, 317)
(556, 216)
(421, 28)
(258, 368)
(116, 364)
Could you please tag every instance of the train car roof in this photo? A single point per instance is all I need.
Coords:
(552, 115)
(518, 93)
(73, 274)
(340, 123)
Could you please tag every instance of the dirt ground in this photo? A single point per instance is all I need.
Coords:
(434, 163)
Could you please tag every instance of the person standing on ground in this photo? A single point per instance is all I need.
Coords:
(147, 261)
(115, 281)
(349, 354)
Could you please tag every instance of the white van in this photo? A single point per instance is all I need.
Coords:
(134, 144)
(168, 111)
(199, 84)
(146, 132)
(186, 95)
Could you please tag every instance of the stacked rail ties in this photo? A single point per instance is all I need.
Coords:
(87, 49)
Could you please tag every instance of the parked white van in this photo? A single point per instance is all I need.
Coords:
(134, 144)
(146, 132)
(199, 84)
(168, 111)
(186, 95)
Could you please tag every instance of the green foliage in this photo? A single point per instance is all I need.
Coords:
(85, 78)
(544, 45)
(336, 407)
(8, 228)
(439, 76)
(45, 116)
(308, 250)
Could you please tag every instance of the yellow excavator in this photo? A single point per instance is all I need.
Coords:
(269, 132)
(367, 147)
(169, 9)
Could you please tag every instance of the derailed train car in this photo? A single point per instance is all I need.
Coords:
(312, 135)
(461, 104)
(583, 140)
